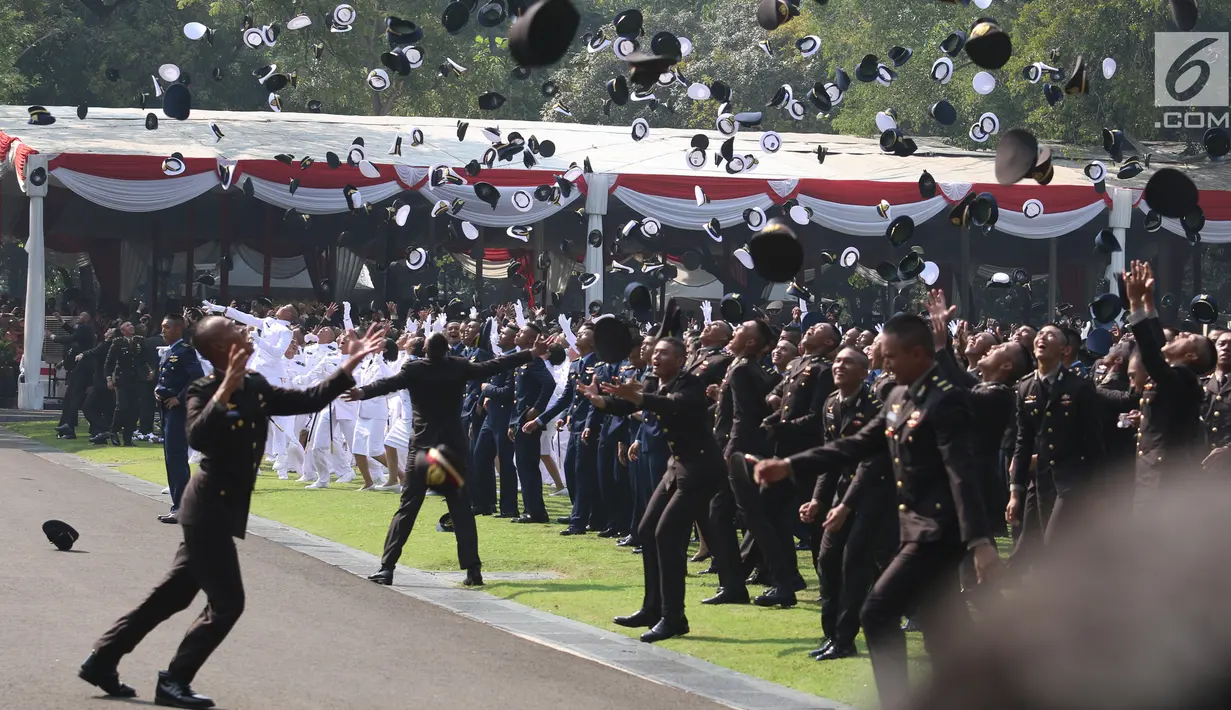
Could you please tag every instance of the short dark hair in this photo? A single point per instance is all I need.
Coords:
(1072, 338)
(765, 334)
(174, 318)
(436, 346)
(677, 344)
(911, 330)
(1207, 355)
(534, 325)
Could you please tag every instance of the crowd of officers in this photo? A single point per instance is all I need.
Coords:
(110, 379)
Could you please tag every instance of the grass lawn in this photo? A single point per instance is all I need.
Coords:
(600, 580)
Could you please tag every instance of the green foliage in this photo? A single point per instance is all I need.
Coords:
(58, 53)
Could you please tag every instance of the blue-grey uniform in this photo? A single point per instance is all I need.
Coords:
(533, 386)
(493, 441)
(177, 368)
(580, 475)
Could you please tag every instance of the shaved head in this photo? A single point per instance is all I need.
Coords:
(213, 337)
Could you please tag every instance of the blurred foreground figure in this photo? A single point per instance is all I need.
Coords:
(1130, 614)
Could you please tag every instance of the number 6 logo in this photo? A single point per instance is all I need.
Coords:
(1190, 69)
(1184, 64)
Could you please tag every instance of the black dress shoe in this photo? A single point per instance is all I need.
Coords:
(798, 584)
(507, 515)
(777, 596)
(910, 625)
(609, 532)
(573, 531)
(478, 510)
(62, 428)
(641, 620)
(99, 439)
(834, 651)
(825, 644)
(728, 596)
(474, 577)
(709, 570)
(637, 550)
(176, 694)
(528, 519)
(758, 577)
(700, 557)
(105, 677)
(564, 520)
(382, 576)
(666, 628)
(169, 518)
(626, 541)
(70, 434)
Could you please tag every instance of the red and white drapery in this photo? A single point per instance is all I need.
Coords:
(136, 183)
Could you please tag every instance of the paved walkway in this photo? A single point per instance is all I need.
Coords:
(314, 635)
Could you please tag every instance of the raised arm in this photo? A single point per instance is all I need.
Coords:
(398, 381)
(245, 318)
(846, 451)
(287, 402)
(504, 363)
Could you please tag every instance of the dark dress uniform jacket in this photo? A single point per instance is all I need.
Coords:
(232, 441)
(1118, 397)
(742, 408)
(436, 389)
(875, 475)
(126, 360)
(1062, 425)
(76, 340)
(1170, 406)
(1216, 414)
(533, 386)
(926, 430)
(695, 457)
(798, 424)
(709, 364)
(177, 370)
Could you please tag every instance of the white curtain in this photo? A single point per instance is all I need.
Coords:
(561, 270)
(134, 264)
(410, 174)
(347, 274)
(782, 188)
(279, 268)
(1214, 232)
(863, 220)
(685, 214)
(505, 215)
(137, 195)
(1048, 225)
(491, 269)
(317, 200)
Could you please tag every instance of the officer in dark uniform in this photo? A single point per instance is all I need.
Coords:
(126, 368)
(477, 348)
(853, 551)
(606, 453)
(797, 421)
(177, 368)
(1216, 413)
(99, 406)
(683, 493)
(496, 401)
(742, 408)
(77, 339)
(925, 426)
(435, 384)
(149, 404)
(228, 421)
(580, 466)
(1170, 428)
(1059, 425)
(710, 360)
(533, 386)
(1118, 396)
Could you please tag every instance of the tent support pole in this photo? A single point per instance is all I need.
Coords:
(1051, 279)
(30, 389)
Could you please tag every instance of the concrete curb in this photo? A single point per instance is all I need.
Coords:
(659, 665)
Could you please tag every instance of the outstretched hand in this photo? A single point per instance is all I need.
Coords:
(1139, 286)
(630, 391)
(540, 346)
(939, 312)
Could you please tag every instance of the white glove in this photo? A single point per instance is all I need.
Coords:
(213, 307)
(879, 327)
(474, 313)
(953, 328)
(519, 315)
(707, 309)
(566, 327)
(803, 306)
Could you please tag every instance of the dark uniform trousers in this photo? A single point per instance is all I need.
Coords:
(582, 458)
(206, 561)
(646, 472)
(128, 394)
(681, 495)
(738, 427)
(175, 451)
(145, 407)
(75, 395)
(925, 429)
(527, 450)
(413, 492)
(211, 520)
(492, 442)
(850, 560)
(99, 409)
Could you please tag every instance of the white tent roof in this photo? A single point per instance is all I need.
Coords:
(261, 135)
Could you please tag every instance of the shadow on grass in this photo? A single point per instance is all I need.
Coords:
(513, 590)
